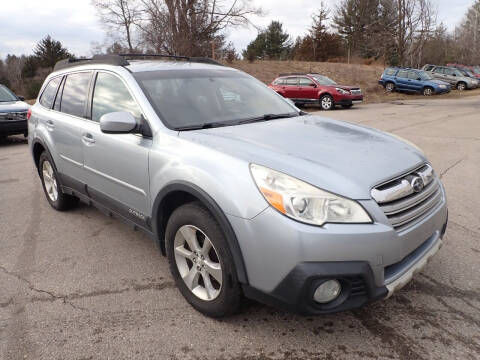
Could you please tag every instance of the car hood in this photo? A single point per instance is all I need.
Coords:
(336, 156)
(345, 87)
(13, 106)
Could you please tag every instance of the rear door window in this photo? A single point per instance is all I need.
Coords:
(75, 93)
(48, 95)
(292, 81)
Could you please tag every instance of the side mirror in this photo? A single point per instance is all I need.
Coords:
(312, 85)
(419, 78)
(21, 98)
(121, 122)
(454, 74)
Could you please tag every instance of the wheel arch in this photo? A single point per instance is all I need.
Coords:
(38, 147)
(181, 192)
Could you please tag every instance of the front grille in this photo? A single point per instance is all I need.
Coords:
(410, 198)
(13, 116)
(356, 92)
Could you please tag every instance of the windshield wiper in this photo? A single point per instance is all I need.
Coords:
(202, 126)
(267, 117)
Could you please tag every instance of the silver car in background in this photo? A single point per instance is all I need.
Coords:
(244, 193)
(453, 76)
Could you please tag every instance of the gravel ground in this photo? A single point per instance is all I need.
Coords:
(81, 285)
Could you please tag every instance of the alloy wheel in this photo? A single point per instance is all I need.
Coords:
(327, 103)
(427, 92)
(198, 262)
(389, 87)
(50, 180)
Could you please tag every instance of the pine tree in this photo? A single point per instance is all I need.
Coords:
(48, 51)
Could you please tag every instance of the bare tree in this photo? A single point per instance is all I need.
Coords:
(416, 24)
(188, 27)
(119, 15)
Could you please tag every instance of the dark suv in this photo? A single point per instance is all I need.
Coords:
(13, 113)
(412, 80)
(316, 89)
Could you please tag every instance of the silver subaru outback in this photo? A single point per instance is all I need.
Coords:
(244, 193)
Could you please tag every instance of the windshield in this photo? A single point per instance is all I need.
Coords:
(6, 94)
(458, 72)
(425, 76)
(323, 80)
(190, 98)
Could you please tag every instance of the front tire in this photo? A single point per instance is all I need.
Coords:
(201, 262)
(428, 91)
(53, 192)
(326, 102)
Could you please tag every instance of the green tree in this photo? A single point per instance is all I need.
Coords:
(272, 43)
(48, 51)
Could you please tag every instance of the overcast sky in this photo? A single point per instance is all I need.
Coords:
(75, 24)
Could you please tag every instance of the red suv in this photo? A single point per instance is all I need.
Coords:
(316, 89)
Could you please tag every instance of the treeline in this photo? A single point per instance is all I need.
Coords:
(395, 32)
(25, 74)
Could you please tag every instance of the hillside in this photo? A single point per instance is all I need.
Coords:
(365, 76)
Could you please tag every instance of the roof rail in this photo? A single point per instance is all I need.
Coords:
(205, 60)
(294, 73)
(121, 60)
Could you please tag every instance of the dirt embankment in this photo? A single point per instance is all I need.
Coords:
(365, 76)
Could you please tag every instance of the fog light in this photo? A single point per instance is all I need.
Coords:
(327, 291)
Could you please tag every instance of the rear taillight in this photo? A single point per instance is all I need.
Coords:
(29, 113)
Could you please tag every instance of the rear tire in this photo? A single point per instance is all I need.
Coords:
(326, 102)
(201, 262)
(461, 86)
(390, 87)
(53, 191)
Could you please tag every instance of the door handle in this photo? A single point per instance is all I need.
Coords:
(88, 139)
(50, 125)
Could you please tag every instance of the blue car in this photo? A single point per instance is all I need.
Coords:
(412, 80)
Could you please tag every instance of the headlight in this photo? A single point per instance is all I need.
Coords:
(442, 86)
(342, 91)
(304, 202)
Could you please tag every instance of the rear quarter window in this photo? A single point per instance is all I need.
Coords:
(48, 96)
(390, 72)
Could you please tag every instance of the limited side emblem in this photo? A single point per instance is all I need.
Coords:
(417, 184)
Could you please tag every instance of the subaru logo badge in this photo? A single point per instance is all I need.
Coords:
(417, 184)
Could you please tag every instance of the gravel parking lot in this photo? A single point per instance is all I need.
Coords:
(82, 285)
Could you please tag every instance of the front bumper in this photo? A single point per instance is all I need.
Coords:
(288, 260)
(340, 99)
(12, 127)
